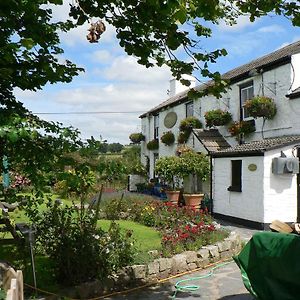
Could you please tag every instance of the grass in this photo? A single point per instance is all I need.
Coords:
(146, 238)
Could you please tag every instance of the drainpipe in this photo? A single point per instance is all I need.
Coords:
(211, 185)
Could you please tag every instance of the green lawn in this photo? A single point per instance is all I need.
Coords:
(146, 238)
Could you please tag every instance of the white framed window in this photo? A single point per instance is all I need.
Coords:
(246, 93)
(156, 126)
(189, 109)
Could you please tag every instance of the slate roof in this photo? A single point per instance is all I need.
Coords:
(211, 139)
(257, 148)
(265, 62)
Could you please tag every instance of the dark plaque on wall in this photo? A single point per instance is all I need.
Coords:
(170, 119)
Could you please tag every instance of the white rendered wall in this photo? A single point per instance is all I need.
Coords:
(280, 191)
(247, 204)
(295, 71)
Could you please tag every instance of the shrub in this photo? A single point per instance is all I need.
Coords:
(137, 137)
(194, 163)
(243, 127)
(261, 106)
(168, 138)
(190, 122)
(168, 170)
(153, 144)
(81, 252)
(217, 117)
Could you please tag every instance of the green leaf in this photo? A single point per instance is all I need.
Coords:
(180, 15)
(28, 43)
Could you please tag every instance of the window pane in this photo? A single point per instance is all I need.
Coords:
(156, 126)
(246, 93)
(236, 175)
(189, 109)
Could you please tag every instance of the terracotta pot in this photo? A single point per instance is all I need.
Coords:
(173, 196)
(193, 200)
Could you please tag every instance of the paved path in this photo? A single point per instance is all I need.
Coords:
(225, 283)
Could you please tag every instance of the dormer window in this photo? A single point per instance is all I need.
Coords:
(156, 126)
(189, 109)
(246, 93)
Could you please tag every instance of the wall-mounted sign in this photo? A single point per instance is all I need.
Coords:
(252, 167)
(170, 119)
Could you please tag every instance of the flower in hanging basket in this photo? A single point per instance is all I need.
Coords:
(190, 122)
(168, 138)
(136, 137)
(153, 145)
(217, 117)
(183, 137)
(261, 106)
(182, 149)
(243, 127)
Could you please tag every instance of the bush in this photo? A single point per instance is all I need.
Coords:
(190, 122)
(136, 138)
(81, 252)
(153, 144)
(168, 138)
(168, 170)
(217, 117)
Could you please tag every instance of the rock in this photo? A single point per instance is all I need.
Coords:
(213, 252)
(179, 263)
(191, 256)
(164, 264)
(138, 271)
(223, 246)
(203, 253)
(153, 267)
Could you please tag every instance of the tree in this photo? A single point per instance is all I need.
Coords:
(115, 147)
(154, 31)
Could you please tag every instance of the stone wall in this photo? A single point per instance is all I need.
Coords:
(162, 268)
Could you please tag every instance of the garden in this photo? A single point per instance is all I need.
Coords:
(79, 240)
(56, 187)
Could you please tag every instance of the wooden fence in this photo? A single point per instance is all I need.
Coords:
(13, 284)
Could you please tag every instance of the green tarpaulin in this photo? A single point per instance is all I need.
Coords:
(270, 266)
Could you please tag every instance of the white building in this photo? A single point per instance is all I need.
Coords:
(264, 195)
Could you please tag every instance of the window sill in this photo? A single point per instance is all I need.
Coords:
(234, 189)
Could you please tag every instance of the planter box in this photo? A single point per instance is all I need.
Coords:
(173, 196)
(193, 200)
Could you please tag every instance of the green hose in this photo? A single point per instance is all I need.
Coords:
(192, 288)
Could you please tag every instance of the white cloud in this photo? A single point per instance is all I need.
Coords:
(101, 56)
(126, 68)
(295, 39)
(242, 23)
(129, 97)
(274, 29)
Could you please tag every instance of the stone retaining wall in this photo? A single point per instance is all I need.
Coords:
(162, 268)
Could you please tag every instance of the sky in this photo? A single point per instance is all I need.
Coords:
(119, 89)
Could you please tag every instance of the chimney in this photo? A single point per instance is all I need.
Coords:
(176, 86)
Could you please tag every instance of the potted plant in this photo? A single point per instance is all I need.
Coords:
(183, 137)
(153, 144)
(217, 117)
(168, 170)
(188, 123)
(242, 127)
(137, 137)
(261, 106)
(193, 165)
(168, 138)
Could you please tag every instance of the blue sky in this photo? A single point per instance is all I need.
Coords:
(114, 82)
